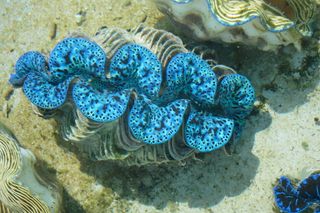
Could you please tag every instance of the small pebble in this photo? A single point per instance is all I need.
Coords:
(80, 17)
(6, 109)
(53, 31)
(127, 3)
(296, 76)
(8, 93)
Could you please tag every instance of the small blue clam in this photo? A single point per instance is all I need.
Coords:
(289, 199)
(309, 188)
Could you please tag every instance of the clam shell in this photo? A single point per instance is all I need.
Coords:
(22, 187)
(262, 23)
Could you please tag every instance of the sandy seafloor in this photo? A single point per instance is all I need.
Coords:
(280, 138)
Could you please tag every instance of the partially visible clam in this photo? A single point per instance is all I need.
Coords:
(263, 23)
(23, 188)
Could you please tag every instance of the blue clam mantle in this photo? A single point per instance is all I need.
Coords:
(155, 100)
(291, 199)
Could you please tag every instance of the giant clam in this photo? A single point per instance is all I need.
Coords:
(23, 188)
(263, 23)
(297, 199)
(137, 96)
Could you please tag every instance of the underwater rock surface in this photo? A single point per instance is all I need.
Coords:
(153, 92)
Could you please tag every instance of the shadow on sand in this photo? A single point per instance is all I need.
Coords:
(69, 204)
(199, 183)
